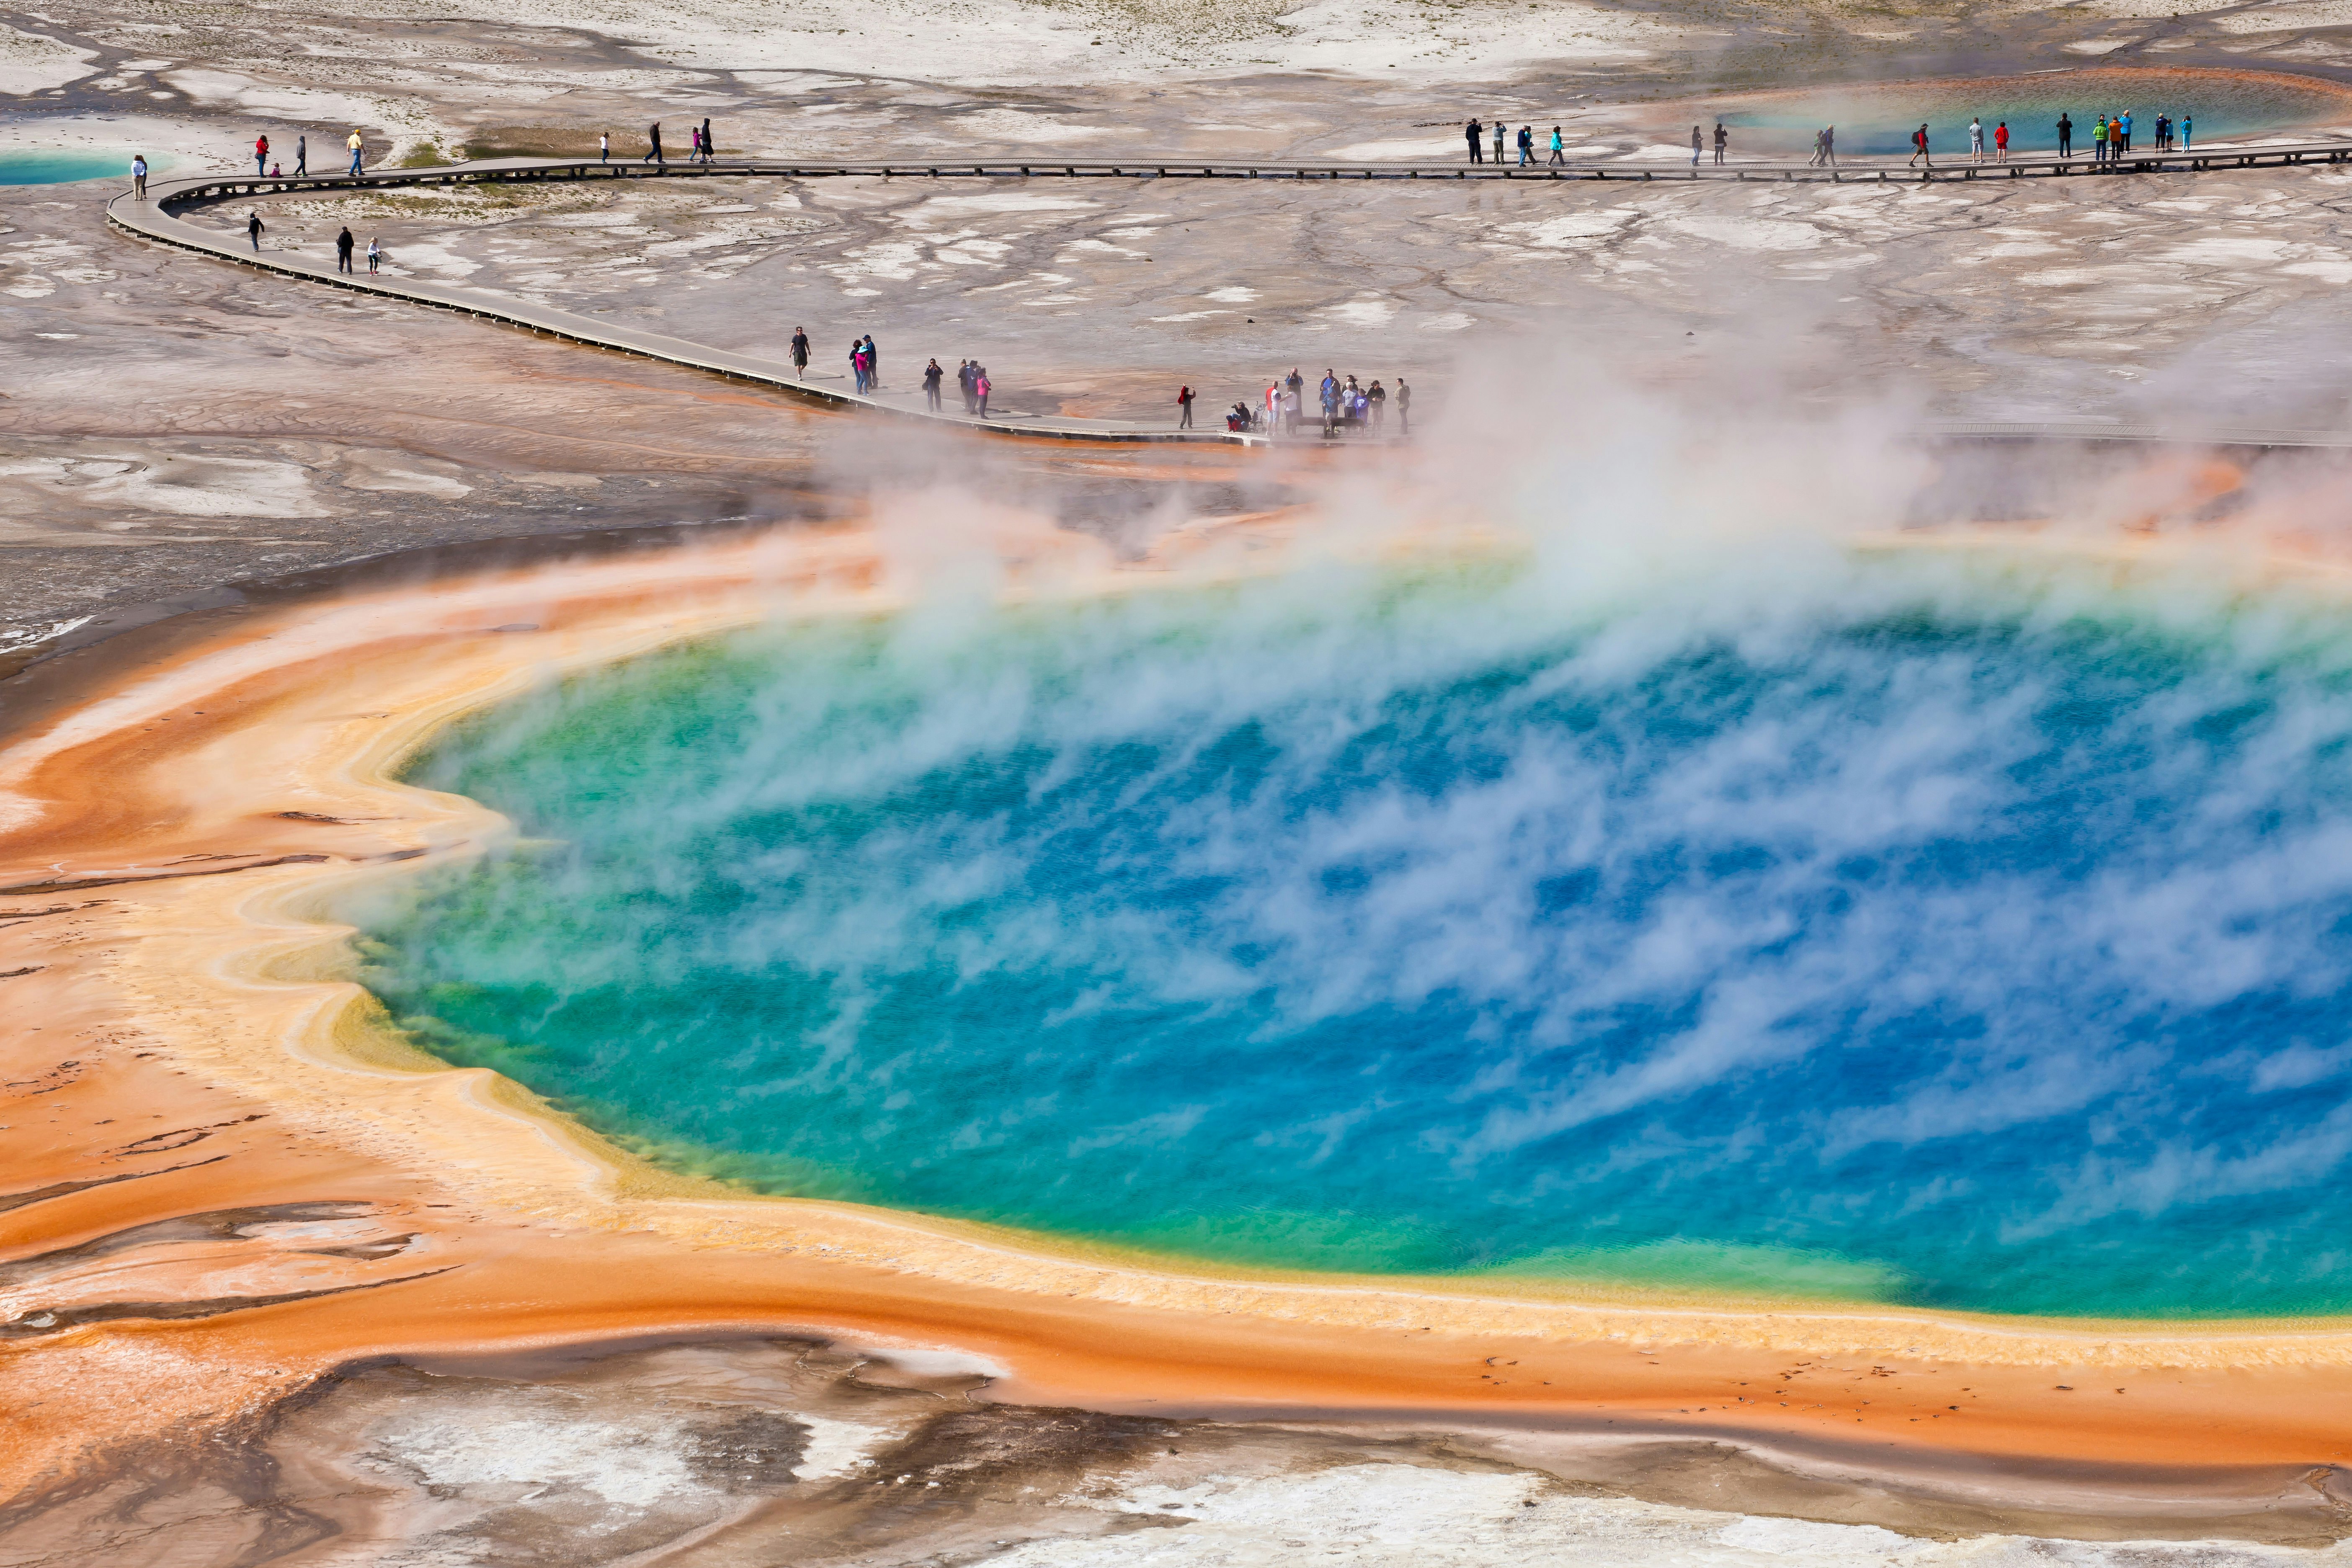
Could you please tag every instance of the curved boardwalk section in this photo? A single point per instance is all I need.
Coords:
(157, 218)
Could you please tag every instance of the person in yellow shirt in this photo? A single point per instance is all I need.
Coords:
(355, 143)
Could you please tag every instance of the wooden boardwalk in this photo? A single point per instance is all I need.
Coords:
(158, 218)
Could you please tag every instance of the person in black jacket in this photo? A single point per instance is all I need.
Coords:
(343, 251)
(932, 377)
(655, 155)
(1470, 134)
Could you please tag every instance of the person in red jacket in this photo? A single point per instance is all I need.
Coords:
(1184, 404)
(261, 154)
(2000, 142)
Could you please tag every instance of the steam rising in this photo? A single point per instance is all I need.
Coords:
(1671, 890)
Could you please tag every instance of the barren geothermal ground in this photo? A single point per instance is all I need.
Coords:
(280, 1285)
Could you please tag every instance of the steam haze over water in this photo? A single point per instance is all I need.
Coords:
(1928, 926)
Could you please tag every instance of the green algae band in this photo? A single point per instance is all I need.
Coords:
(1914, 929)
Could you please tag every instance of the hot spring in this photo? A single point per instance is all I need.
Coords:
(1879, 117)
(1920, 926)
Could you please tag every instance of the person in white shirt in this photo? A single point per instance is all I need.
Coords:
(1976, 139)
(139, 175)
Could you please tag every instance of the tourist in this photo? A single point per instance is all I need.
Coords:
(963, 381)
(800, 354)
(1329, 392)
(1527, 146)
(1698, 146)
(1919, 148)
(980, 386)
(301, 157)
(2123, 125)
(1828, 145)
(1558, 149)
(375, 255)
(603, 146)
(932, 377)
(1976, 139)
(261, 156)
(1470, 134)
(277, 170)
(2187, 132)
(709, 148)
(1237, 417)
(1820, 144)
(1405, 407)
(654, 153)
(343, 242)
(356, 144)
(1183, 408)
(139, 175)
(253, 231)
(858, 364)
(1376, 399)
(1501, 132)
(2065, 135)
(2098, 139)
(873, 362)
(2000, 142)
(1722, 140)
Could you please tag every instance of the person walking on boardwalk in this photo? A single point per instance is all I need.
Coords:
(2000, 142)
(1722, 140)
(261, 156)
(253, 231)
(963, 381)
(343, 242)
(1976, 139)
(1699, 144)
(1558, 149)
(603, 146)
(139, 176)
(301, 156)
(932, 377)
(1183, 408)
(1470, 134)
(375, 255)
(1527, 146)
(800, 354)
(710, 148)
(1405, 407)
(1919, 148)
(980, 386)
(1829, 146)
(2065, 135)
(654, 153)
(356, 144)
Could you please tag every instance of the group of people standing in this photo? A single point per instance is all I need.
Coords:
(1345, 406)
(1502, 133)
(2111, 135)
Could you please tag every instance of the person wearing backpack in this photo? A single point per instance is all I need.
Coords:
(1919, 149)
(1183, 408)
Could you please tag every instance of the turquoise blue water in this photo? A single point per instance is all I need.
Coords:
(41, 166)
(1880, 118)
(1916, 930)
